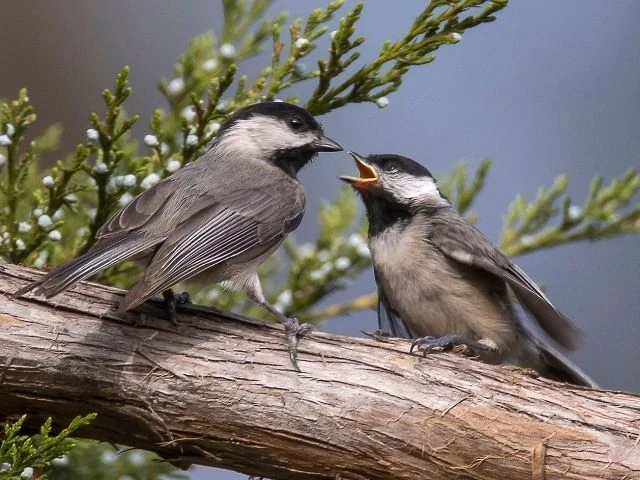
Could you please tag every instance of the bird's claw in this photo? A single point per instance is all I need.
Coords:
(172, 301)
(183, 298)
(295, 330)
(455, 343)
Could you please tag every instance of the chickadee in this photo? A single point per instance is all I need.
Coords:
(443, 283)
(216, 219)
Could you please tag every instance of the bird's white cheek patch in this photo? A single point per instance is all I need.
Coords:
(262, 136)
(413, 188)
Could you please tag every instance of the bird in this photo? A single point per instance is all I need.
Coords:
(216, 219)
(442, 283)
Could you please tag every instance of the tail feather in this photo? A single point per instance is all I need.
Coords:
(102, 255)
(556, 366)
(552, 364)
(137, 295)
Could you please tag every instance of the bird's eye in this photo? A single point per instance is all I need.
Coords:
(296, 123)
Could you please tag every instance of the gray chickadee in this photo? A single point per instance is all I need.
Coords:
(216, 219)
(443, 283)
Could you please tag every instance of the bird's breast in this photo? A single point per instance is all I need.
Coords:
(437, 296)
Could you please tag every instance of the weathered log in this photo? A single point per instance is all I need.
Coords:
(220, 391)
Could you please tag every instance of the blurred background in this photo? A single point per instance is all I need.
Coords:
(549, 88)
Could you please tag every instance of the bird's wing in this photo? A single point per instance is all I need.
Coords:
(462, 242)
(388, 319)
(145, 207)
(245, 225)
(116, 241)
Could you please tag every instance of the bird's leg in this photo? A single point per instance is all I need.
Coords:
(171, 301)
(294, 330)
(448, 342)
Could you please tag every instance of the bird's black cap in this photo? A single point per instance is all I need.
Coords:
(388, 162)
(281, 110)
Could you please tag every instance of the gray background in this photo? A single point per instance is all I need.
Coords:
(551, 87)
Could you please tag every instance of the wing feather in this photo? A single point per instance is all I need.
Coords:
(219, 234)
(140, 211)
(463, 243)
(209, 244)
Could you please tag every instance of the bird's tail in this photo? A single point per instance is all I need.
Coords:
(102, 255)
(557, 367)
(552, 364)
(137, 295)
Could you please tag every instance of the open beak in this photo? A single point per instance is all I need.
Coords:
(367, 173)
(325, 144)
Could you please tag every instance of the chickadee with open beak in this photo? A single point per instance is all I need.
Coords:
(216, 219)
(443, 283)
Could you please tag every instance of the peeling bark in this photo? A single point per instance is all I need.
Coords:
(220, 391)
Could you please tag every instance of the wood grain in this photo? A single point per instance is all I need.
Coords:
(220, 391)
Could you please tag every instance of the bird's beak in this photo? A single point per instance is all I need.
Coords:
(325, 144)
(367, 173)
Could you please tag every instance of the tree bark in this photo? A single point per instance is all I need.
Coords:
(219, 390)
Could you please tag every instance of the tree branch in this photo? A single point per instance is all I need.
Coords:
(220, 391)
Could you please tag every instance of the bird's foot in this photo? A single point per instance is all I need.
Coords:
(172, 301)
(183, 298)
(295, 330)
(454, 343)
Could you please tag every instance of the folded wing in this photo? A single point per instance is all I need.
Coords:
(463, 243)
(218, 233)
